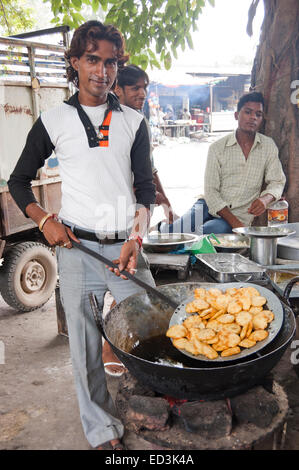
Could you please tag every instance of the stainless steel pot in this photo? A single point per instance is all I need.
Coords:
(263, 242)
(263, 250)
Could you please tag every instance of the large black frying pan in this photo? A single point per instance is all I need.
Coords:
(179, 313)
(145, 317)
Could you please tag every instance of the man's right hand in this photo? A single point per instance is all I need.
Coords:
(58, 234)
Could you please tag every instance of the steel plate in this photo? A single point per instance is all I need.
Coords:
(232, 239)
(273, 303)
(157, 242)
(265, 232)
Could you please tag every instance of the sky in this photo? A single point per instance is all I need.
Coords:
(221, 38)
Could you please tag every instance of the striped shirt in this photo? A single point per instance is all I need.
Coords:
(234, 182)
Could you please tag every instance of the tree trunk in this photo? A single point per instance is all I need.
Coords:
(275, 73)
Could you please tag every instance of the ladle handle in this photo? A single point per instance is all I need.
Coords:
(289, 287)
(142, 284)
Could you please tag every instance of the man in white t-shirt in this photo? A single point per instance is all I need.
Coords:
(103, 151)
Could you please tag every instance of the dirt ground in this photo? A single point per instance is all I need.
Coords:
(38, 406)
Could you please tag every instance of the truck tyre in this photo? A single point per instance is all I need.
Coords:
(28, 276)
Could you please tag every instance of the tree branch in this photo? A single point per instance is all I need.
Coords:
(251, 15)
(4, 16)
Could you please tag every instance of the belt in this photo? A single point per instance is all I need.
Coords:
(92, 236)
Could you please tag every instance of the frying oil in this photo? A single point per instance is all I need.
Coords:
(159, 350)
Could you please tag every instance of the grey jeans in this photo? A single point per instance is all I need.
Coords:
(80, 274)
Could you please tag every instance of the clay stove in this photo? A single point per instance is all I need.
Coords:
(160, 422)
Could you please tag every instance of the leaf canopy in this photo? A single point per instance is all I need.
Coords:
(153, 30)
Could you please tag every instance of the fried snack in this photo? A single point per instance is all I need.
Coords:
(231, 291)
(215, 292)
(200, 304)
(191, 348)
(217, 314)
(255, 310)
(247, 343)
(222, 301)
(231, 328)
(183, 343)
(259, 322)
(244, 331)
(206, 312)
(230, 340)
(258, 301)
(191, 333)
(258, 335)
(226, 318)
(268, 315)
(252, 291)
(190, 308)
(200, 293)
(213, 340)
(222, 322)
(176, 331)
(246, 302)
(243, 318)
(231, 351)
(219, 346)
(215, 325)
(205, 349)
(234, 307)
(193, 322)
(180, 343)
(249, 329)
(205, 334)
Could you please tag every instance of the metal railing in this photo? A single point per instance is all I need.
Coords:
(25, 60)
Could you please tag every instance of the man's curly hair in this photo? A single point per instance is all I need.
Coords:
(89, 33)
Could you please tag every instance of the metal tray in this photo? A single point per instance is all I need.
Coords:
(228, 267)
(273, 303)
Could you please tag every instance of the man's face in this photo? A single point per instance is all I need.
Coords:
(250, 117)
(97, 71)
(133, 95)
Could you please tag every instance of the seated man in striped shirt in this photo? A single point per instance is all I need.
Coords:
(238, 165)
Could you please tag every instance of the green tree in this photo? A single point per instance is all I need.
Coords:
(15, 16)
(153, 30)
(276, 74)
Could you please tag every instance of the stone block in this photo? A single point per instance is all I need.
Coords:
(210, 419)
(256, 406)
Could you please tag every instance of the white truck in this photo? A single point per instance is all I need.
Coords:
(32, 79)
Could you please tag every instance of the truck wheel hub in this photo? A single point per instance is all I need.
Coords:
(33, 276)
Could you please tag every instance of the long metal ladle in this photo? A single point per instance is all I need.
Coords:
(142, 284)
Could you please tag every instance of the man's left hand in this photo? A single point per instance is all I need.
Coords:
(127, 260)
(258, 207)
